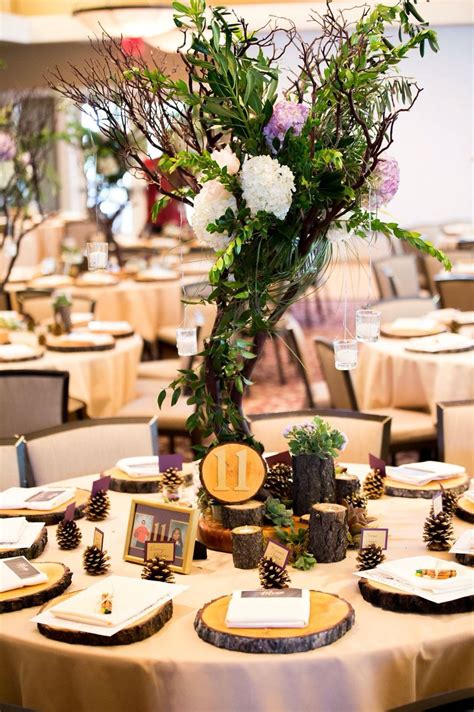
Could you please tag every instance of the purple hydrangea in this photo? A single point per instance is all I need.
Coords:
(287, 430)
(7, 147)
(286, 115)
(384, 182)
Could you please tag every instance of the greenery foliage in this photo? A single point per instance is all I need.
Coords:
(277, 513)
(297, 541)
(316, 437)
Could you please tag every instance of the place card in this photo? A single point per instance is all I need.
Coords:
(277, 552)
(166, 461)
(283, 458)
(98, 540)
(379, 537)
(437, 503)
(69, 513)
(102, 484)
(377, 464)
(164, 549)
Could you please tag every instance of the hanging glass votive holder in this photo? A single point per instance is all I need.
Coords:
(345, 354)
(97, 255)
(186, 341)
(367, 325)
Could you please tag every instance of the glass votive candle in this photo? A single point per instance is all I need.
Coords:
(186, 341)
(97, 255)
(345, 354)
(367, 325)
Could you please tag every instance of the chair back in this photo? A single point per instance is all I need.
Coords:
(86, 447)
(455, 428)
(365, 432)
(339, 383)
(32, 400)
(9, 468)
(397, 276)
(35, 304)
(391, 309)
(455, 292)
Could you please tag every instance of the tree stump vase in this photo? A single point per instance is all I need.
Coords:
(313, 482)
(247, 546)
(346, 485)
(328, 532)
(238, 515)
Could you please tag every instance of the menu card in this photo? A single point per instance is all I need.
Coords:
(36, 498)
(17, 572)
(269, 608)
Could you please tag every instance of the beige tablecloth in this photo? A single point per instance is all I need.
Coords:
(386, 660)
(388, 375)
(103, 380)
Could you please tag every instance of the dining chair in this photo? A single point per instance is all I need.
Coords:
(84, 448)
(37, 304)
(366, 433)
(455, 431)
(9, 463)
(455, 291)
(397, 276)
(391, 309)
(411, 429)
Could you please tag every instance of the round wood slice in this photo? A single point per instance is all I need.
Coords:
(231, 491)
(56, 343)
(52, 516)
(390, 599)
(393, 333)
(216, 537)
(31, 552)
(59, 579)
(465, 510)
(330, 618)
(400, 489)
(147, 278)
(36, 353)
(117, 334)
(121, 482)
(237, 515)
(136, 631)
(465, 559)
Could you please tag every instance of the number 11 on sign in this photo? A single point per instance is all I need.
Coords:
(241, 456)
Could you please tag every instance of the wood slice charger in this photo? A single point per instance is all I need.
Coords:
(31, 552)
(62, 345)
(391, 599)
(330, 618)
(51, 516)
(400, 489)
(465, 510)
(140, 629)
(59, 579)
(121, 482)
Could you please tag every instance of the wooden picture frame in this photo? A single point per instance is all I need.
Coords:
(159, 520)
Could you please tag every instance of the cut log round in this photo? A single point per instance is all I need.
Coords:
(400, 489)
(138, 630)
(52, 516)
(313, 482)
(330, 618)
(247, 546)
(59, 579)
(218, 538)
(31, 552)
(465, 510)
(346, 485)
(121, 482)
(328, 532)
(465, 559)
(388, 598)
(238, 515)
(232, 472)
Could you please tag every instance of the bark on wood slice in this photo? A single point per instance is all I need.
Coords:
(139, 630)
(465, 510)
(52, 516)
(328, 532)
(388, 598)
(313, 482)
(400, 489)
(330, 618)
(57, 343)
(59, 579)
(465, 559)
(31, 552)
(346, 485)
(121, 482)
(247, 546)
(238, 515)
(35, 354)
(218, 538)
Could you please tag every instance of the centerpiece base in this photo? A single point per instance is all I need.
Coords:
(218, 538)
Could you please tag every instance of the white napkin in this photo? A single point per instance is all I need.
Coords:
(271, 608)
(420, 473)
(87, 338)
(18, 572)
(140, 466)
(12, 529)
(405, 570)
(440, 343)
(40, 498)
(465, 543)
(97, 326)
(29, 535)
(416, 324)
(13, 351)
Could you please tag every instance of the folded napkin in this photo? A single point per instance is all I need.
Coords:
(11, 529)
(140, 466)
(13, 351)
(420, 473)
(28, 536)
(86, 337)
(97, 326)
(41, 498)
(405, 570)
(17, 572)
(270, 608)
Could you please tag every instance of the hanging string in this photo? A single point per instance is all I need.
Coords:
(344, 291)
(369, 286)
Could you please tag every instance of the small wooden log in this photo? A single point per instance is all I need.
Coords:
(346, 485)
(121, 482)
(313, 482)
(138, 630)
(247, 546)
(59, 578)
(399, 489)
(465, 559)
(331, 617)
(52, 516)
(31, 552)
(216, 537)
(465, 510)
(328, 532)
(238, 515)
(388, 598)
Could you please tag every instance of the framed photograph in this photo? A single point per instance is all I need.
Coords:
(156, 521)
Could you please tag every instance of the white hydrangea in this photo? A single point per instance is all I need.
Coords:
(267, 186)
(338, 235)
(210, 204)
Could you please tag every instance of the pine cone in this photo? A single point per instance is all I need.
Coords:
(271, 575)
(172, 479)
(98, 506)
(370, 557)
(95, 561)
(356, 520)
(68, 534)
(374, 485)
(438, 532)
(357, 500)
(279, 481)
(450, 501)
(157, 570)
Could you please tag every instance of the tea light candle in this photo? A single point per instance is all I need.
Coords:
(97, 255)
(247, 546)
(367, 325)
(186, 341)
(345, 353)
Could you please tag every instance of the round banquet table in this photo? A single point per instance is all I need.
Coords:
(103, 380)
(386, 660)
(388, 375)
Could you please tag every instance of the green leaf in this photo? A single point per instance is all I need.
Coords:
(161, 397)
(176, 395)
